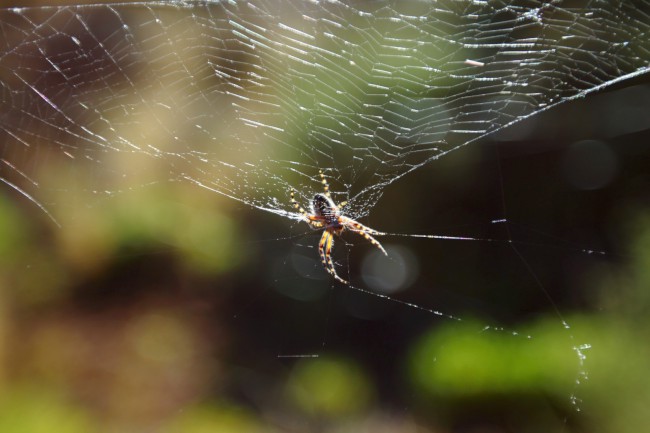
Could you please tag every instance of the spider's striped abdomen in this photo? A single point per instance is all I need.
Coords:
(324, 207)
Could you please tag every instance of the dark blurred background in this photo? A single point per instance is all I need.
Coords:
(165, 307)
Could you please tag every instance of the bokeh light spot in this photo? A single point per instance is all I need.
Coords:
(393, 273)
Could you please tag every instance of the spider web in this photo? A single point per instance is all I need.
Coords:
(250, 99)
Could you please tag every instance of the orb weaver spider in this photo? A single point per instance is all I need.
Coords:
(325, 214)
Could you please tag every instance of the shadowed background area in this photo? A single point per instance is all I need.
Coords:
(153, 304)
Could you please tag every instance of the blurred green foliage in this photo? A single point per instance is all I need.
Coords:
(143, 364)
(216, 418)
(329, 387)
(467, 361)
(36, 409)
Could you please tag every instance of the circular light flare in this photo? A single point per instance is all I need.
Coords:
(390, 274)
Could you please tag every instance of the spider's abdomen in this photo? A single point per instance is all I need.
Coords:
(325, 208)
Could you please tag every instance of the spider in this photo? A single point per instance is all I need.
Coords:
(325, 214)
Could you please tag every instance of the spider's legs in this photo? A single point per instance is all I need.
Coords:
(364, 231)
(314, 221)
(295, 204)
(326, 186)
(325, 250)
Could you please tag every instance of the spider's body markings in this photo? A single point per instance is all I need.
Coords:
(325, 214)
